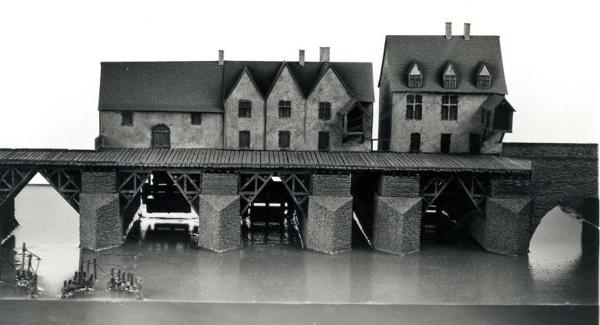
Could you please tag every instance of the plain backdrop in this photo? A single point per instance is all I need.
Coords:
(50, 53)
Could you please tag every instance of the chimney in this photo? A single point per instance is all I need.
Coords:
(324, 54)
(301, 57)
(448, 30)
(467, 31)
(221, 57)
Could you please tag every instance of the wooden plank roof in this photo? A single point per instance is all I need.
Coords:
(240, 159)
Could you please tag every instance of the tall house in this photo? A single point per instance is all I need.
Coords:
(443, 94)
(247, 105)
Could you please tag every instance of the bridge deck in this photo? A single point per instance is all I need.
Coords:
(258, 159)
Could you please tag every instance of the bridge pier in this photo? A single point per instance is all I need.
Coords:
(505, 228)
(397, 217)
(219, 212)
(100, 219)
(328, 224)
(8, 222)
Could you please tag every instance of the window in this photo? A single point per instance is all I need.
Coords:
(414, 107)
(450, 79)
(161, 136)
(449, 107)
(415, 142)
(245, 108)
(126, 118)
(196, 118)
(323, 140)
(284, 139)
(415, 78)
(445, 145)
(324, 111)
(484, 78)
(244, 140)
(285, 109)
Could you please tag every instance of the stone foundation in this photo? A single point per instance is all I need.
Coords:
(101, 225)
(397, 217)
(505, 228)
(219, 213)
(328, 225)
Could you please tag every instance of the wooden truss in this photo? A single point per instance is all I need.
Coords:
(189, 185)
(67, 182)
(12, 181)
(130, 185)
(297, 186)
(473, 187)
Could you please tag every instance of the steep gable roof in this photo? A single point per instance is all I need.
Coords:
(246, 72)
(202, 86)
(161, 86)
(433, 52)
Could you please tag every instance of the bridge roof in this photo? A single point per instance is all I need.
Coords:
(258, 159)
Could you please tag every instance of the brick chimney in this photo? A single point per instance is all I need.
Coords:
(301, 57)
(324, 54)
(467, 31)
(221, 57)
(448, 30)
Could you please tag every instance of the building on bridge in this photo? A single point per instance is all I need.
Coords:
(443, 94)
(217, 137)
(222, 104)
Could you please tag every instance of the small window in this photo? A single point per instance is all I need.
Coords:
(449, 108)
(414, 107)
(325, 111)
(450, 78)
(285, 109)
(196, 118)
(244, 140)
(415, 142)
(415, 78)
(484, 82)
(245, 109)
(161, 137)
(445, 144)
(284, 139)
(484, 78)
(475, 143)
(324, 141)
(127, 118)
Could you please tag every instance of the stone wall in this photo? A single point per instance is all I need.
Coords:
(397, 215)
(562, 173)
(101, 225)
(328, 225)
(255, 124)
(184, 134)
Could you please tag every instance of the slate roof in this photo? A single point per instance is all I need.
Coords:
(433, 53)
(263, 159)
(203, 85)
(494, 101)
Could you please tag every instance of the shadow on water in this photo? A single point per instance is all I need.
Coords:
(270, 267)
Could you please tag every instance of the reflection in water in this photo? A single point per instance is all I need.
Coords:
(271, 268)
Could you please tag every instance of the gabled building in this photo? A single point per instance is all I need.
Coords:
(443, 94)
(249, 105)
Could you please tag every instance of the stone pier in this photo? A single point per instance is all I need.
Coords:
(505, 228)
(100, 220)
(397, 217)
(219, 212)
(328, 225)
(8, 222)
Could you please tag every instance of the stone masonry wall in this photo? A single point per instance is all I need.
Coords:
(331, 185)
(562, 173)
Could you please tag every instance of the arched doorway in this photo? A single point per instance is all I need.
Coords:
(161, 137)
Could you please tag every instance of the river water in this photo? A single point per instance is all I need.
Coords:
(561, 268)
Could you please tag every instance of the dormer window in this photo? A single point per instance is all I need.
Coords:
(415, 77)
(354, 119)
(450, 77)
(484, 78)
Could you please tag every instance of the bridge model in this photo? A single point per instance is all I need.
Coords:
(216, 137)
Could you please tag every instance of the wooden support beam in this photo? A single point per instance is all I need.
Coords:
(67, 182)
(12, 181)
(189, 185)
(130, 185)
